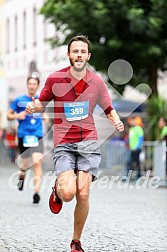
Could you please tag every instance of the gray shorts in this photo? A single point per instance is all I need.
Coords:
(82, 156)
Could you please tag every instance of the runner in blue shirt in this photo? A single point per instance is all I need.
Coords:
(30, 135)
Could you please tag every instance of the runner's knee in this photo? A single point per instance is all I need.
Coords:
(66, 194)
(37, 164)
(82, 196)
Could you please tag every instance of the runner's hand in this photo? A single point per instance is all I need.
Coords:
(30, 108)
(119, 126)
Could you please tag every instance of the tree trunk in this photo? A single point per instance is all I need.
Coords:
(153, 79)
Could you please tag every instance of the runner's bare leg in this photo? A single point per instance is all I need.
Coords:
(84, 180)
(37, 164)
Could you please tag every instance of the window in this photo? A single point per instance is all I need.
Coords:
(16, 32)
(34, 26)
(24, 30)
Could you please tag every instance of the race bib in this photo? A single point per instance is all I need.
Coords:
(75, 111)
(30, 141)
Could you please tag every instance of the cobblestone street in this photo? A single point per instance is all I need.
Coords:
(123, 220)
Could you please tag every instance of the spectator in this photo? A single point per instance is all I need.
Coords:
(136, 138)
(162, 124)
(11, 143)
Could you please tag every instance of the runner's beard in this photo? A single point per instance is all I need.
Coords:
(77, 69)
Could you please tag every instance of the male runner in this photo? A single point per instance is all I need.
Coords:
(75, 91)
(29, 133)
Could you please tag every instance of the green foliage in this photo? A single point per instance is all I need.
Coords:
(157, 107)
(133, 30)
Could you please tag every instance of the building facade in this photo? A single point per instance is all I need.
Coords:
(24, 36)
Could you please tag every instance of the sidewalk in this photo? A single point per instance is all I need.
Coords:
(121, 220)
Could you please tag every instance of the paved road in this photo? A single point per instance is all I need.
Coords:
(124, 220)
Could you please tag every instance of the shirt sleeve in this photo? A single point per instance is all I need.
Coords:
(46, 94)
(140, 142)
(104, 100)
(140, 133)
(14, 105)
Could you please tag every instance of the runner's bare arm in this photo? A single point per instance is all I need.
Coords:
(34, 107)
(114, 117)
(11, 115)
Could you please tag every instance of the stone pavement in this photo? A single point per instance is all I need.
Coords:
(120, 220)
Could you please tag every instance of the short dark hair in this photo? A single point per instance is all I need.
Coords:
(82, 38)
(35, 78)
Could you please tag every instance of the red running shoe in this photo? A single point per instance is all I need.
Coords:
(55, 203)
(76, 246)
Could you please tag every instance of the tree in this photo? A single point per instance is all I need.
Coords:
(132, 30)
(156, 108)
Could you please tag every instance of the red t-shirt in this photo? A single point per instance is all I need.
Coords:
(61, 87)
(79, 88)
